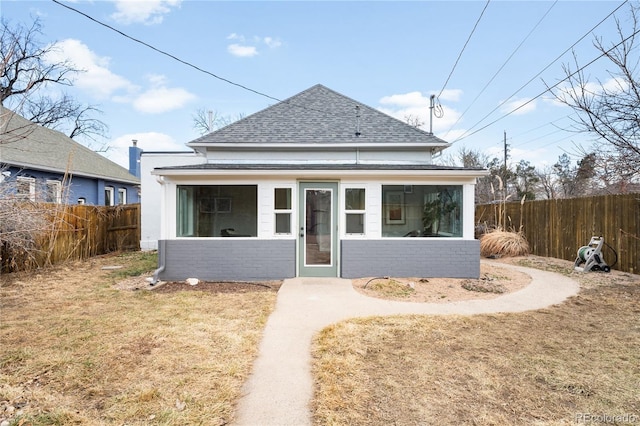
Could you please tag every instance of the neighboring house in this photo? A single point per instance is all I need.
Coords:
(316, 185)
(42, 164)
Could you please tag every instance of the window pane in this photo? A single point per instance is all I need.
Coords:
(355, 223)
(426, 211)
(354, 199)
(283, 198)
(51, 192)
(283, 223)
(26, 188)
(217, 211)
(108, 196)
(122, 196)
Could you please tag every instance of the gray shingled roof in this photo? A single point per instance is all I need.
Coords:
(28, 145)
(319, 115)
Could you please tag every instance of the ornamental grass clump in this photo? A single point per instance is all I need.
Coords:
(500, 243)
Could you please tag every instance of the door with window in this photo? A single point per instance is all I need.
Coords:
(318, 229)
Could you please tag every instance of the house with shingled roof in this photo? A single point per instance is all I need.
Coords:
(45, 165)
(316, 185)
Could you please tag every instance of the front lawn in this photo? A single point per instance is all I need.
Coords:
(76, 350)
(577, 362)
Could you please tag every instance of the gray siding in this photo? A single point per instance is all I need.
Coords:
(228, 260)
(411, 257)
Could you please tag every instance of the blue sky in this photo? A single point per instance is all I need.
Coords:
(389, 55)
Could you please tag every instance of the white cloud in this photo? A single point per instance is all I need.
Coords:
(242, 51)
(416, 105)
(518, 106)
(451, 95)
(539, 157)
(118, 151)
(146, 12)
(95, 78)
(247, 48)
(272, 42)
(406, 100)
(160, 98)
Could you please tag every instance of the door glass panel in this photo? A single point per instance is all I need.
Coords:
(318, 240)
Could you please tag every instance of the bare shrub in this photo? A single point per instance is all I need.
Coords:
(498, 243)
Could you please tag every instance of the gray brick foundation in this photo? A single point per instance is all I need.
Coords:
(228, 259)
(410, 257)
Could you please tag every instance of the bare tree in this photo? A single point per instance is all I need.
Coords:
(472, 158)
(24, 74)
(414, 120)
(208, 121)
(609, 109)
(548, 182)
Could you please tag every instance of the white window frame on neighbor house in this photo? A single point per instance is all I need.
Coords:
(109, 195)
(31, 182)
(122, 196)
(53, 188)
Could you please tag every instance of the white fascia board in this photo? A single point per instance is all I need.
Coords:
(306, 173)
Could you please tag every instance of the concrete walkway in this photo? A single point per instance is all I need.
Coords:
(280, 388)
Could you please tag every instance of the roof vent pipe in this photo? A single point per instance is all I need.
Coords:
(358, 120)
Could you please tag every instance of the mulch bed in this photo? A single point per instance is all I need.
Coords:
(219, 287)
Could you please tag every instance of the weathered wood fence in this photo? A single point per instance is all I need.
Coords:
(557, 228)
(78, 232)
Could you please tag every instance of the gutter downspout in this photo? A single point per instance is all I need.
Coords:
(161, 263)
(162, 245)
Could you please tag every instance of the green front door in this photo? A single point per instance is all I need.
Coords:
(318, 233)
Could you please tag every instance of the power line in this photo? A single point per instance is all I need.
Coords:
(463, 49)
(552, 87)
(467, 134)
(503, 65)
(189, 64)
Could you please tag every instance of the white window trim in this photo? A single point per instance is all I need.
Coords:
(58, 190)
(122, 195)
(344, 211)
(32, 187)
(288, 211)
(111, 191)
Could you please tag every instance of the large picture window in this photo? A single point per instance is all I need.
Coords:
(217, 211)
(422, 211)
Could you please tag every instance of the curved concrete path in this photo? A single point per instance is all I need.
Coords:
(280, 388)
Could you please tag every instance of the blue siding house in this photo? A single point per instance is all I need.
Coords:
(41, 164)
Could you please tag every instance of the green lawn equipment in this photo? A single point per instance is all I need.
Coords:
(591, 256)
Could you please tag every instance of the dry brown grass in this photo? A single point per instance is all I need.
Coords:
(76, 351)
(499, 243)
(543, 367)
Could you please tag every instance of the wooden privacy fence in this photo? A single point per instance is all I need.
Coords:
(78, 232)
(558, 228)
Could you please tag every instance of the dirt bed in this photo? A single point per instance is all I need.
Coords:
(142, 283)
(494, 281)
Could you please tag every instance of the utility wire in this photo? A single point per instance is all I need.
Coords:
(552, 87)
(503, 65)
(467, 134)
(463, 49)
(189, 64)
(167, 54)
